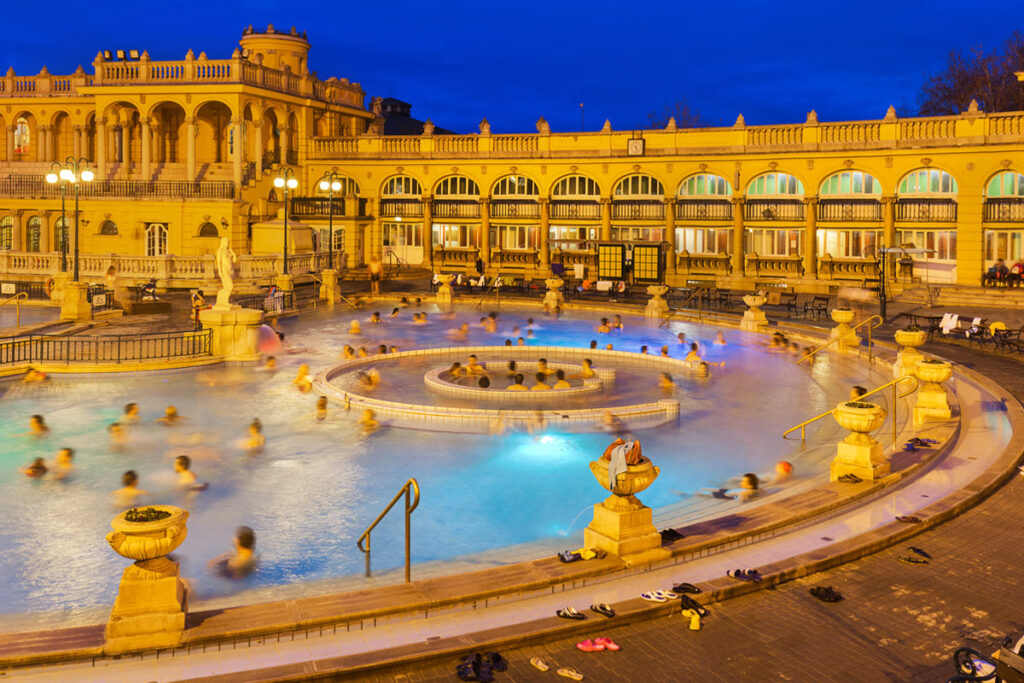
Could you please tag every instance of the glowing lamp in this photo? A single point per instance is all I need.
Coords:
(292, 183)
(335, 186)
(66, 174)
(51, 178)
(278, 182)
(87, 176)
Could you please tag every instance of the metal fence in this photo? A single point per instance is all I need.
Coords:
(37, 348)
(281, 301)
(35, 290)
(34, 186)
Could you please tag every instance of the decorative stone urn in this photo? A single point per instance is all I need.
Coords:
(444, 291)
(932, 403)
(553, 298)
(622, 525)
(754, 319)
(657, 307)
(152, 600)
(848, 340)
(908, 355)
(859, 453)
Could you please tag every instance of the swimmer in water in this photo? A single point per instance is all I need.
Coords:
(856, 392)
(117, 437)
(348, 353)
(303, 382)
(783, 471)
(321, 409)
(517, 384)
(362, 353)
(665, 382)
(491, 326)
(171, 417)
(604, 327)
(461, 333)
(474, 367)
(588, 369)
(510, 369)
(508, 342)
(37, 426)
(255, 441)
(270, 364)
(375, 318)
(37, 469)
(186, 477)
(617, 323)
(64, 466)
(748, 490)
(353, 327)
(542, 366)
(681, 337)
(129, 493)
(719, 339)
(643, 350)
(808, 355)
(456, 370)
(393, 349)
(382, 349)
(34, 376)
(394, 312)
(609, 347)
(694, 354)
(593, 343)
(368, 380)
(520, 341)
(562, 383)
(541, 385)
(241, 560)
(131, 414)
(610, 423)
(368, 422)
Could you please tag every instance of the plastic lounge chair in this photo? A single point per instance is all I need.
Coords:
(949, 323)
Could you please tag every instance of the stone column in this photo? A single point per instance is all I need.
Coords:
(428, 231)
(10, 143)
(282, 140)
(670, 237)
(545, 234)
(101, 148)
(811, 237)
(42, 154)
(259, 147)
(147, 152)
(44, 231)
(76, 137)
(190, 149)
(737, 237)
(126, 149)
(485, 231)
(889, 234)
(18, 235)
(236, 161)
(606, 218)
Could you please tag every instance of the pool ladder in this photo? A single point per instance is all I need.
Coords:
(410, 488)
(17, 299)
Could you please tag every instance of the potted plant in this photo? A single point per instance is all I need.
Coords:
(148, 533)
(910, 336)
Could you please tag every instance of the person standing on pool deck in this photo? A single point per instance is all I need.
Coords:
(376, 271)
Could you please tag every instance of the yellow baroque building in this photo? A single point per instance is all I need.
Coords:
(185, 152)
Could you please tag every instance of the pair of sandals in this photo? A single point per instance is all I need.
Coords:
(688, 604)
(480, 667)
(685, 588)
(826, 594)
(567, 671)
(570, 612)
(659, 596)
(750, 575)
(850, 479)
(598, 644)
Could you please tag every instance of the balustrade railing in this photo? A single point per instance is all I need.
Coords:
(455, 144)
(773, 210)
(33, 186)
(847, 269)
(37, 348)
(774, 266)
(515, 208)
(703, 264)
(515, 145)
(924, 210)
(406, 208)
(456, 208)
(849, 210)
(317, 206)
(568, 209)
(455, 256)
(638, 209)
(704, 210)
(1004, 210)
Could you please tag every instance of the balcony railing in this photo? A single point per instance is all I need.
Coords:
(403, 208)
(773, 210)
(774, 266)
(568, 209)
(1004, 210)
(839, 210)
(704, 210)
(638, 210)
(703, 264)
(317, 206)
(515, 208)
(25, 186)
(104, 349)
(456, 208)
(925, 210)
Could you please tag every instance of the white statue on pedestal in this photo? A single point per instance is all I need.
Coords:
(225, 259)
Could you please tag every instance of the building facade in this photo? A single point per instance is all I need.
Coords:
(186, 152)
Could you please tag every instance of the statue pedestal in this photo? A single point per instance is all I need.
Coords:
(657, 307)
(75, 302)
(234, 332)
(859, 453)
(932, 402)
(329, 288)
(60, 281)
(553, 298)
(630, 535)
(848, 341)
(150, 608)
(754, 319)
(444, 289)
(284, 283)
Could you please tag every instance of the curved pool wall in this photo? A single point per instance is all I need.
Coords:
(318, 484)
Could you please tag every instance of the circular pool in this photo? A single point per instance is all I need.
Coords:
(318, 484)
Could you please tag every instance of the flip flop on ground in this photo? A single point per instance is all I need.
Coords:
(570, 672)
(539, 664)
(685, 588)
(607, 643)
(908, 519)
(920, 552)
(826, 594)
(589, 646)
(653, 596)
(907, 559)
(603, 609)
(688, 603)
(568, 612)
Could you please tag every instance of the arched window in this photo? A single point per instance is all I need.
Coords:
(108, 227)
(60, 235)
(639, 185)
(457, 186)
(774, 183)
(6, 233)
(21, 135)
(1006, 184)
(156, 239)
(348, 186)
(703, 185)
(34, 233)
(576, 186)
(402, 184)
(515, 186)
(927, 181)
(208, 229)
(846, 183)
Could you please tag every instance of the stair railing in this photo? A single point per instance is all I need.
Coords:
(336, 288)
(496, 287)
(17, 299)
(830, 342)
(700, 307)
(410, 487)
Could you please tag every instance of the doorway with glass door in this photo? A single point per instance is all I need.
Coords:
(405, 241)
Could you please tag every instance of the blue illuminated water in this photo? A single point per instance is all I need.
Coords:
(318, 485)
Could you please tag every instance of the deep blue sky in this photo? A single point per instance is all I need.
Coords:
(512, 62)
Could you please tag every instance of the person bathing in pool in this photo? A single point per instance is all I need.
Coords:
(241, 560)
(747, 491)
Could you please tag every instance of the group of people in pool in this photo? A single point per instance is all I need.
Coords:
(545, 379)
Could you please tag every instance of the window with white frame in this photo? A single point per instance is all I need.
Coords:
(1006, 184)
(574, 187)
(772, 242)
(850, 183)
(339, 239)
(703, 240)
(705, 185)
(514, 237)
(401, 185)
(457, 186)
(447, 235)
(851, 243)
(638, 234)
(34, 233)
(928, 182)
(941, 244)
(6, 233)
(639, 185)
(1002, 244)
(156, 239)
(570, 237)
(403, 234)
(515, 186)
(774, 183)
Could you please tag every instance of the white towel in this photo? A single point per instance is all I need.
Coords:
(578, 270)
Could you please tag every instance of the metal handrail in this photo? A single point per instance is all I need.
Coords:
(337, 288)
(700, 307)
(391, 255)
(17, 299)
(411, 485)
(895, 397)
(830, 342)
(497, 292)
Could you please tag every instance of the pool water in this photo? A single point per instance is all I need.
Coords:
(317, 485)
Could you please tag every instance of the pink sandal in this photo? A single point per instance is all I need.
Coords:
(591, 645)
(607, 644)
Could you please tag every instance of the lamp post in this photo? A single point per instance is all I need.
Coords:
(71, 172)
(330, 183)
(286, 180)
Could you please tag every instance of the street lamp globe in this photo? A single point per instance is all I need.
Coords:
(335, 186)
(66, 174)
(87, 176)
(324, 186)
(292, 183)
(279, 182)
(51, 178)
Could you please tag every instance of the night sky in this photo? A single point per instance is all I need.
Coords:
(515, 61)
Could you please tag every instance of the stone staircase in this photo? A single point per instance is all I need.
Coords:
(949, 296)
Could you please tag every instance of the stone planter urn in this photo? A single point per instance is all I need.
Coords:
(908, 355)
(859, 453)
(848, 340)
(444, 291)
(553, 298)
(622, 525)
(754, 319)
(151, 603)
(932, 402)
(657, 307)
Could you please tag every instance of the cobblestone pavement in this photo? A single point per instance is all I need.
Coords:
(898, 622)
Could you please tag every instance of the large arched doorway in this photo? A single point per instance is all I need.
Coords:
(168, 131)
(212, 139)
(156, 239)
